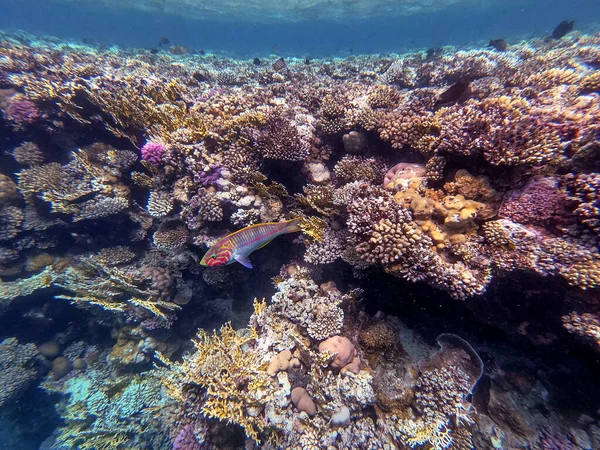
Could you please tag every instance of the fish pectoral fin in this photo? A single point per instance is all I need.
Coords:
(244, 261)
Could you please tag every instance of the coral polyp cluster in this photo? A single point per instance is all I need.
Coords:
(430, 185)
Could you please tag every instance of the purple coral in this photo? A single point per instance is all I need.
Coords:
(22, 111)
(552, 439)
(185, 439)
(209, 177)
(153, 153)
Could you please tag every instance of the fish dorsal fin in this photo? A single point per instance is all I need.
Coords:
(244, 261)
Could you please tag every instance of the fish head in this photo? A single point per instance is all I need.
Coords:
(217, 255)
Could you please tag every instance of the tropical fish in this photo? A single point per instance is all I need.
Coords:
(434, 52)
(498, 44)
(279, 65)
(566, 26)
(459, 91)
(238, 246)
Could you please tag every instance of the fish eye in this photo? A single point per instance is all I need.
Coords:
(214, 256)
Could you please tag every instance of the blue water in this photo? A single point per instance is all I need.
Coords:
(455, 26)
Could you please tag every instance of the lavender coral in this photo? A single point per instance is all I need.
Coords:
(153, 152)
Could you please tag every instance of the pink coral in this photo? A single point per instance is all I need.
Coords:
(342, 348)
(153, 153)
(185, 439)
(540, 202)
(22, 111)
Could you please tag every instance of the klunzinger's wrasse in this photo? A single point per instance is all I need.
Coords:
(239, 245)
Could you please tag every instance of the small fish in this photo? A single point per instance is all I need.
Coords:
(498, 44)
(307, 61)
(434, 52)
(163, 41)
(563, 28)
(154, 51)
(239, 245)
(457, 92)
(256, 61)
(279, 65)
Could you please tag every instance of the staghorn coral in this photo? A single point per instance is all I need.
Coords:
(89, 283)
(10, 290)
(529, 118)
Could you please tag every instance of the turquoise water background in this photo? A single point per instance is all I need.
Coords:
(454, 26)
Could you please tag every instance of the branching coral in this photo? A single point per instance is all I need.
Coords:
(82, 188)
(355, 168)
(100, 410)
(516, 247)
(282, 139)
(18, 368)
(234, 378)
(409, 127)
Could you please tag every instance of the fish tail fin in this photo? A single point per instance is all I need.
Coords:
(293, 225)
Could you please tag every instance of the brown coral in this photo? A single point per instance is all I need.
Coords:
(28, 154)
(281, 139)
(356, 168)
(170, 235)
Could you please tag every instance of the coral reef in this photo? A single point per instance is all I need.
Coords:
(122, 166)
